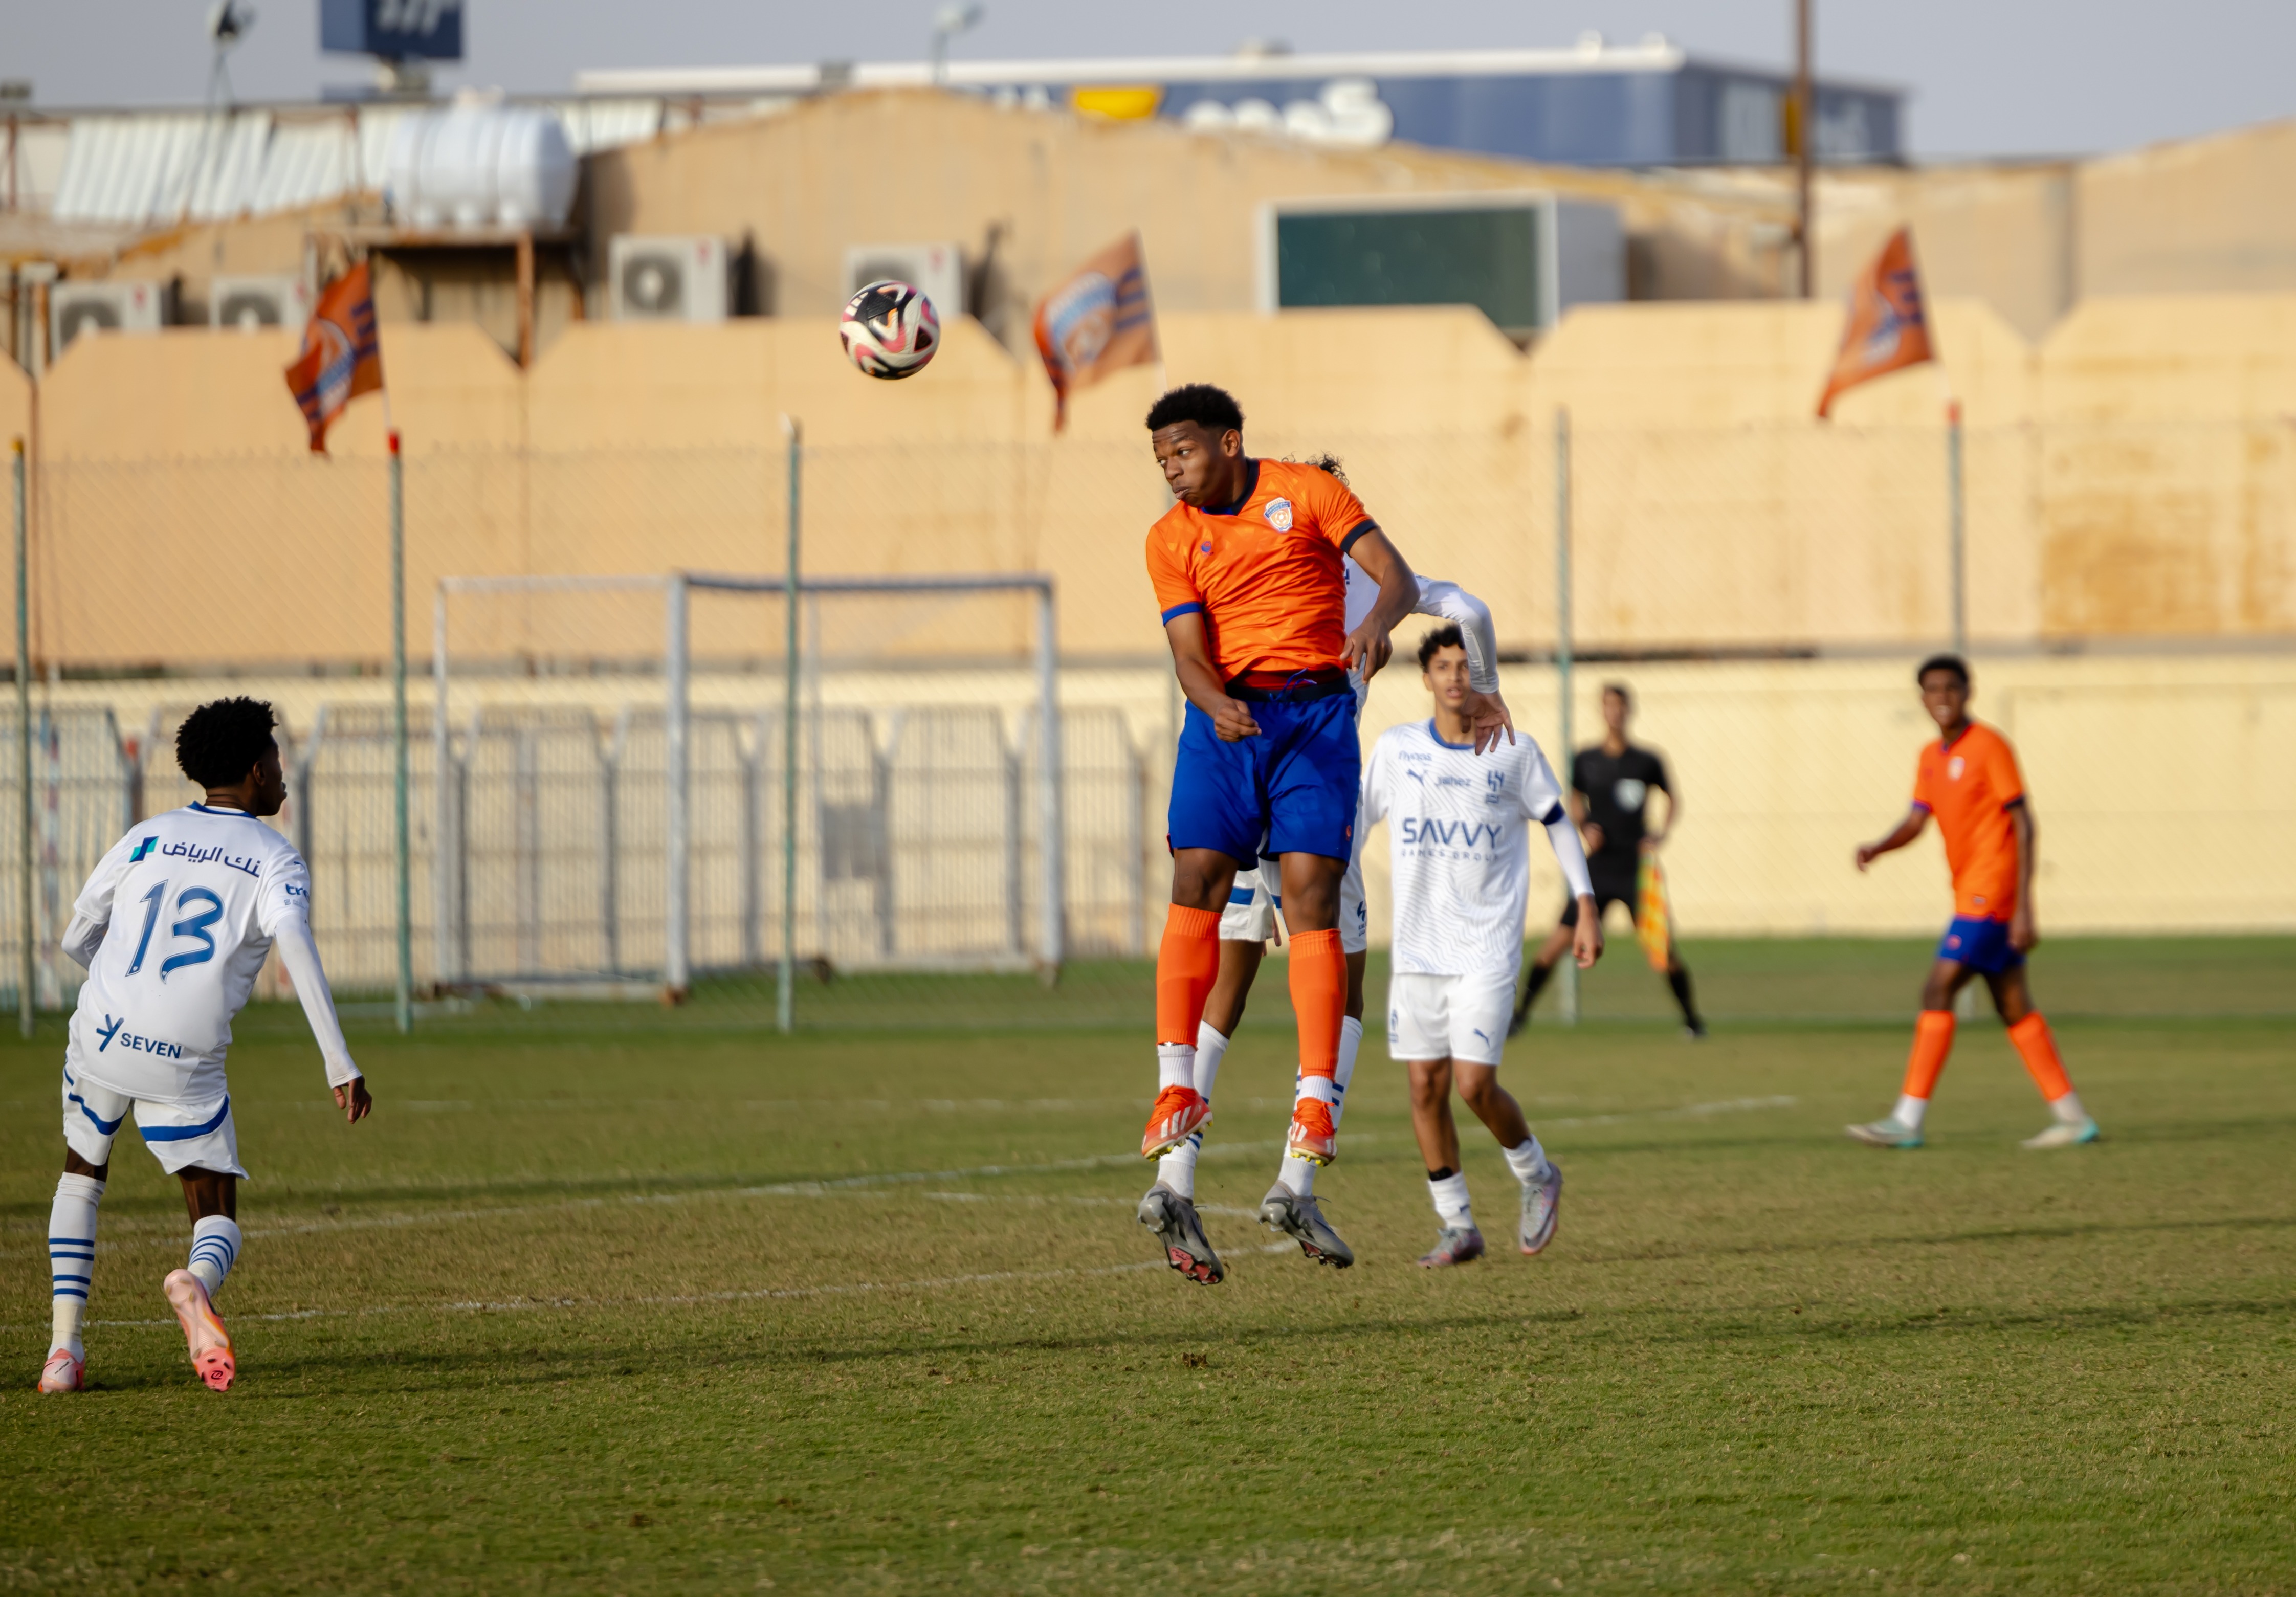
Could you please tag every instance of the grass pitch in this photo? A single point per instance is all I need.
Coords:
(602, 1301)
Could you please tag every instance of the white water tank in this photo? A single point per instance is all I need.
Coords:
(479, 164)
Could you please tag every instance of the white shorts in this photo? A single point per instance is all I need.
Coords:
(1448, 1017)
(180, 1135)
(1257, 894)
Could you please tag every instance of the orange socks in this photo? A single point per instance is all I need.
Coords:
(1932, 1041)
(1187, 964)
(2039, 1050)
(1319, 999)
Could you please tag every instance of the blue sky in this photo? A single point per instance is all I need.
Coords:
(1989, 77)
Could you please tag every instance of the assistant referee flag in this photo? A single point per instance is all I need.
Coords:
(1888, 325)
(340, 358)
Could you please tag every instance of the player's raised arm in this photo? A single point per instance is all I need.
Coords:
(1569, 853)
(1487, 711)
(1368, 646)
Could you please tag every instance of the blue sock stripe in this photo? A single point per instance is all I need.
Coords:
(71, 1253)
(78, 1292)
(215, 1254)
(216, 1239)
(83, 1241)
(62, 1275)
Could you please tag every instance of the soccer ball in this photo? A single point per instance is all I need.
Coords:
(891, 330)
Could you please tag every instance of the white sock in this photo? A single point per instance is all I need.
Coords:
(1529, 1162)
(1350, 1040)
(1451, 1203)
(1296, 1176)
(1909, 1111)
(1210, 1048)
(2068, 1109)
(72, 1256)
(1176, 1169)
(215, 1248)
(1176, 1066)
(1319, 1089)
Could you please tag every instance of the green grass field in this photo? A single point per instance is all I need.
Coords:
(621, 1301)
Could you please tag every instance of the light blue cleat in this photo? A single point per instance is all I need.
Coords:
(1887, 1132)
(2063, 1135)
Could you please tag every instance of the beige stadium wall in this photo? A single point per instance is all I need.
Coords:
(2130, 478)
(2199, 216)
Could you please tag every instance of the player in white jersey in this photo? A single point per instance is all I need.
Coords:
(1458, 833)
(173, 929)
(1250, 920)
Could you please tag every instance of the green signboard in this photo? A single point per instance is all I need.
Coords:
(1487, 257)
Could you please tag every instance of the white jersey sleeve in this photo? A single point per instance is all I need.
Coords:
(92, 910)
(1444, 600)
(1561, 830)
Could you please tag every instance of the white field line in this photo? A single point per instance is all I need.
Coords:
(857, 1186)
(681, 1300)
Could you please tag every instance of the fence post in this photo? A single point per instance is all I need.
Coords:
(1050, 822)
(446, 865)
(26, 999)
(1953, 514)
(1566, 996)
(676, 780)
(403, 1008)
(785, 989)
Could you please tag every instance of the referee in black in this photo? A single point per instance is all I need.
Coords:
(1611, 787)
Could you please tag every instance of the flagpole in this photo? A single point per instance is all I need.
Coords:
(403, 1006)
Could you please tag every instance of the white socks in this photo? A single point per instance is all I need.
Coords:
(1176, 1066)
(1296, 1176)
(1529, 1162)
(1452, 1206)
(1177, 1168)
(215, 1248)
(1909, 1111)
(72, 1256)
(2068, 1109)
(1350, 1040)
(1211, 1049)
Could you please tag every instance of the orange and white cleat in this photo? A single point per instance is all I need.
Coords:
(1313, 1136)
(203, 1332)
(64, 1372)
(1178, 1115)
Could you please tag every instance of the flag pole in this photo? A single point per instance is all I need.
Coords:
(1956, 527)
(785, 989)
(26, 1000)
(403, 1009)
(1567, 992)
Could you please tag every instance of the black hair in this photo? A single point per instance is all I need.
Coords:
(1328, 464)
(1626, 695)
(1442, 637)
(1215, 410)
(1944, 662)
(222, 740)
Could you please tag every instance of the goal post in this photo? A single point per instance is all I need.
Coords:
(548, 640)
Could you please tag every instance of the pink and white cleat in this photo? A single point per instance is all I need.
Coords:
(62, 1372)
(203, 1331)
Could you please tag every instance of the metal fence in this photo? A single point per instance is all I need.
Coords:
(546, 860)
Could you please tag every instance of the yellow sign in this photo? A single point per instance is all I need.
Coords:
(1117, 105)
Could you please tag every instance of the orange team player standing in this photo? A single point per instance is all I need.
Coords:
(1968, 779)
(1247, 572)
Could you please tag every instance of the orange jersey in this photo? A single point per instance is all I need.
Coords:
(1971, 785)
(1264, 573)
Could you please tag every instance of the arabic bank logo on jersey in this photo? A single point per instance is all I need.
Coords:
(1279, 514)
(143, 845)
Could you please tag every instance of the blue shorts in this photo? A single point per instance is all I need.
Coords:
(1295, 784)
(1981, 944)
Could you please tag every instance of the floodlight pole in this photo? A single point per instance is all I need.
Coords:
(1955, 513)
(785, 993)
(1567, 989)
(403, 1007)
(26, 999)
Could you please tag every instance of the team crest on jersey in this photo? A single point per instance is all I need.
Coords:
(1954, 768)
(1279, 514)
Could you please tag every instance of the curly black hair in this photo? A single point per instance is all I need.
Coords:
(1944, 662)
(1215, 410)
(221, 741)
(1442, 637)
(1328, 464)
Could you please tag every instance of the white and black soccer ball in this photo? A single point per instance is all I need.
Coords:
(891, 330)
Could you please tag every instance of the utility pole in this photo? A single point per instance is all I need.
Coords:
(1804, 124)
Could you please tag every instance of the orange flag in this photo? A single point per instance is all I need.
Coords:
(340, 358)
(1098, 322)
(1888, 327)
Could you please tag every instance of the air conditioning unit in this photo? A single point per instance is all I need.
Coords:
(669, 279)
(78, 308)
(248, 303)
(938, 269)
